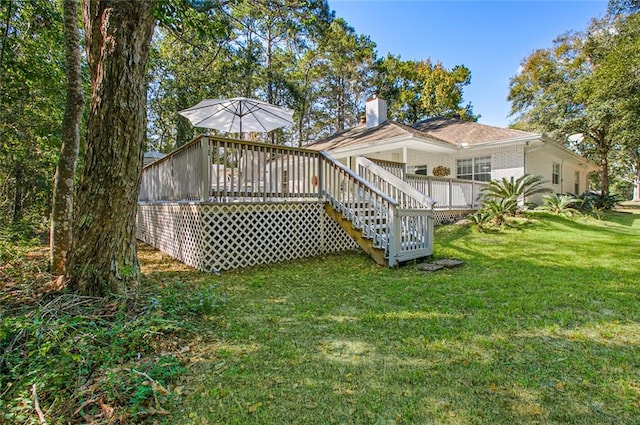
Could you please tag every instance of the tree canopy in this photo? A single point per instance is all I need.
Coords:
(585, 83)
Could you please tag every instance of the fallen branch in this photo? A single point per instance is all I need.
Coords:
(36, 405)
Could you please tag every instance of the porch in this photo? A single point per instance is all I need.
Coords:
(219, 204)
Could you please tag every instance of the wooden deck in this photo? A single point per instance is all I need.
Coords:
(215, 199)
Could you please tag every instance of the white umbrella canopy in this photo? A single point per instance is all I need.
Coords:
(238, 115)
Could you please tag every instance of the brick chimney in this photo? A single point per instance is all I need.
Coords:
(376, 111)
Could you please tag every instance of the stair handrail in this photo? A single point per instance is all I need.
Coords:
(403, 187)
(357, 178)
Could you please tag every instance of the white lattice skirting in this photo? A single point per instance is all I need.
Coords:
(449, 216)
(215, 237)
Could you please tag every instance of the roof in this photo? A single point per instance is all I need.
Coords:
(361, 135)
(449, 130)
(457, 131)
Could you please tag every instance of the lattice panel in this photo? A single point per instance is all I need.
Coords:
(449, 216)
(228, 236)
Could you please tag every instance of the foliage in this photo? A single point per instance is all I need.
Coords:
(417, 90)
(31, 105)
(561, 204)
(505, 198)
(517, 189)
(598, 202)
(585, 83)
(93, 359)
(264, 49)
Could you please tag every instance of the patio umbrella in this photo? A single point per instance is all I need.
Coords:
(238, 115)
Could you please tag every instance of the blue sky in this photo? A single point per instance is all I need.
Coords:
(489, 37)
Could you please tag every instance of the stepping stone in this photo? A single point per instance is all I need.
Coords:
(448, 263)
(429, 267)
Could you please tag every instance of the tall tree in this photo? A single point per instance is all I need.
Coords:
(103, 255)
(587, 83)
(417, 90)
(31, 99)
(64, 183)
(346, 68)
(551, 95)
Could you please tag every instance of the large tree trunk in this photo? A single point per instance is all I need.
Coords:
(103, 256)
(603, 152)
(62, 211)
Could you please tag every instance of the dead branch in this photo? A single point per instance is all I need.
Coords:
(36, 405)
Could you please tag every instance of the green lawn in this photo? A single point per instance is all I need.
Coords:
(541, 325)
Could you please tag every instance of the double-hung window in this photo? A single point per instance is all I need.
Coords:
(417, 169)
(555, 173)
(478, 168)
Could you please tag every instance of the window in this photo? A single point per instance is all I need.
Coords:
(465, 169)
(576, 184)
(417, 169)
(555, 174)
(478, 168)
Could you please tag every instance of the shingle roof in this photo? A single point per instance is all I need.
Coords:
(448, 130)
(361, 134)
(458, 131)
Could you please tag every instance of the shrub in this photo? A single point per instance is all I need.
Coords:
(597, 202)
(518, 189)
(561, 204)
(505, 198)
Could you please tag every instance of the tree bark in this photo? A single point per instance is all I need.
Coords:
(603, 149)
(64, 183)
(103, 255)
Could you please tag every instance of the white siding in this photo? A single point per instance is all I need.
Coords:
(540, 162)
(432, 160)
(506, 161)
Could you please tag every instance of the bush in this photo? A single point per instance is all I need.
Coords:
(597, 203)
(561, 204)
(504, 198)
(93, 360)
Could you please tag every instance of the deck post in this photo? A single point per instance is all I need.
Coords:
(320, 169)
(395, 238)
(205, 172)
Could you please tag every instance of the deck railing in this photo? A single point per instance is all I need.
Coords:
(226, 170)
(398, 169)
(448, 193)
(367, 207)
(406, 195)
(402, 227)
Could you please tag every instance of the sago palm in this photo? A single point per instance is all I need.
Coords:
(516, 189)
(560, 204)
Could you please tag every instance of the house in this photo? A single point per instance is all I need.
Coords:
(221, 204)
(469, 150)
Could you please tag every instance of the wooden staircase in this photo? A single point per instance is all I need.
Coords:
(368, 245)
(389, 230)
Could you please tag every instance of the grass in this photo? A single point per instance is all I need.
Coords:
(541, 325)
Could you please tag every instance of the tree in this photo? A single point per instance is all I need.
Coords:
(103, 254)
(31, 95)
(345, 63)
(417, 90)
(551, 94)
(64, 183)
